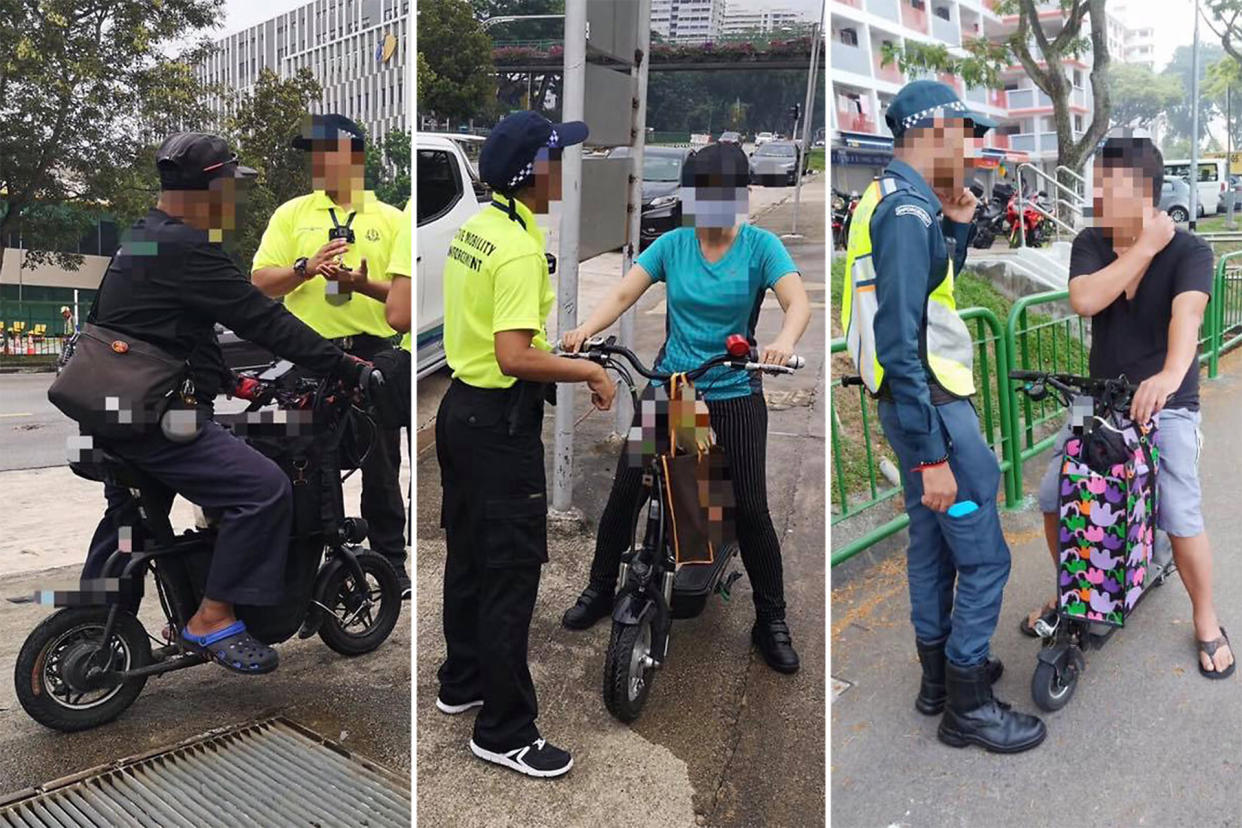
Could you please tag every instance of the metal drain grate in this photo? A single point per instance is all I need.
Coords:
(270, 773)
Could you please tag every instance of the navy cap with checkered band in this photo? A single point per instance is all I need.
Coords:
(507, 160)
(920, 102)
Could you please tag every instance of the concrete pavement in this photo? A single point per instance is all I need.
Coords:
(1145, 740)
(724, 740)
(47, 516)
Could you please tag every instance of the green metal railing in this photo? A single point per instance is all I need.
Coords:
(1037, 336)
(990, 357)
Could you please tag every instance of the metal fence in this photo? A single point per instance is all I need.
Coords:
(1040, 334)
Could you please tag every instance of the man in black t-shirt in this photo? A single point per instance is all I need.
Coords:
(1145, 284)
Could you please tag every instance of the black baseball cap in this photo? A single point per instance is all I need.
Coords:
(920, 102)
(717, 166)
(192, 160)
(507, 160)
(325, 128)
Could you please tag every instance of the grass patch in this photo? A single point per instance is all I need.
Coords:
(816, 160)
(1055, 348)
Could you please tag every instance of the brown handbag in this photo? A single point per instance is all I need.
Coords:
(699, 494)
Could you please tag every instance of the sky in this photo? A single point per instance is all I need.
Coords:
(1173, 21)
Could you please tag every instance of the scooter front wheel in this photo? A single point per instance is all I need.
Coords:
(360, 617)
(628, 669)
(65, 674)
(1055, 680)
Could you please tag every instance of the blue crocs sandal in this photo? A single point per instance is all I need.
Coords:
(233, 649)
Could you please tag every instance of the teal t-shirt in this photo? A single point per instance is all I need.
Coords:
(706, 301)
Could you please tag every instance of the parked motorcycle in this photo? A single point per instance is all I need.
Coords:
(991, 216)
(843, 206)
(1035, 223)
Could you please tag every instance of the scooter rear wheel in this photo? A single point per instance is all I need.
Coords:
(628, 672)
(361, 619)
(58, 672)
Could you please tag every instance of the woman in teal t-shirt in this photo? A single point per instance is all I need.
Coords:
(716, 274)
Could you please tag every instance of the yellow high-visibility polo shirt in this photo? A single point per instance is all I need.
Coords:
(495, 279)
(299, 227)
(400, 257)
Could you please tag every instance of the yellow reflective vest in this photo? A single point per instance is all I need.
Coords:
(947, 346)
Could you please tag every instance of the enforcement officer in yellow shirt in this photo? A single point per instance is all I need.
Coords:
(497, 296)
(327, 254)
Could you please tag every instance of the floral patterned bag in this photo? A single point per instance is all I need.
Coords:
(1108, 521)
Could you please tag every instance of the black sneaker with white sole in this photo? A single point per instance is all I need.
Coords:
(453, 709)
(536, 759)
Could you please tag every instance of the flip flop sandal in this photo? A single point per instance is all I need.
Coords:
(1048, 616)
(233, 649)
(1210, 648)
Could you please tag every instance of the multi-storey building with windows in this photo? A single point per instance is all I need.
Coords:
(742, 19)
(357, 50)
(687, 21)
(862, 87)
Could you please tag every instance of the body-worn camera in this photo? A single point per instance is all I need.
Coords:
(344, 232)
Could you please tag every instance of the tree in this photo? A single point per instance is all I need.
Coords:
(1224, 18)
(1043, 54)
(388, 168)
(1139, 95)
(459, 54)
(86, 89)
(1224, 85)
(262, 127)
(1181, 113)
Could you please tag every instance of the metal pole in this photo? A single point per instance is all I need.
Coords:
(635, 215)
(1194, 125)
(804, 156)
(573, 106)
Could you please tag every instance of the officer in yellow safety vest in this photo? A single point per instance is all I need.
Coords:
(326, 254)
(907, 240)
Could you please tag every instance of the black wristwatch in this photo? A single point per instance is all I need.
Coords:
(299, 267)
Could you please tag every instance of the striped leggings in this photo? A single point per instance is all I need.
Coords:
(741, 427)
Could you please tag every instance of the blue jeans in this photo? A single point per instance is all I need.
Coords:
(967, 552)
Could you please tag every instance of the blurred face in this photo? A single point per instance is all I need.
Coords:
(716, 199)
(338, 166)
(547, 181)
(214, 209)
(1121, 200)
(946, 147)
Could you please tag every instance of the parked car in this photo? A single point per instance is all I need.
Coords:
(449, 192)
(661, 189)
(1175, 200)
(775, 164)
(731, 138)
(762, 138)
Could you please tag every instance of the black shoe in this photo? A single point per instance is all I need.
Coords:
(974, 716)
(536, 759)
(593, 604)
(403, 580)
(775, 644)
(932, 695)
(453, 708)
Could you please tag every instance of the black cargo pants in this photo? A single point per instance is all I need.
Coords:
(494, 513)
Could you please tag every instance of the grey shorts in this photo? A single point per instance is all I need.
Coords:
(1179, 498)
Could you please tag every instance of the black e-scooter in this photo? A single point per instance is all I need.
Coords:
(652, 589)
(86, 663)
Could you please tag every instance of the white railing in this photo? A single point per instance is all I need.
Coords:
(1065, 196)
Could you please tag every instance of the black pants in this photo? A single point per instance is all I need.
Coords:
(741, 427)
(220, 472)
(383, 506)
(494, 514)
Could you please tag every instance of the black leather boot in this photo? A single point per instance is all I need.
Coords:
(593, 604)
(974, 716)
(931, 697)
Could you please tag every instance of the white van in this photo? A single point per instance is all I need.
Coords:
(1213, 180)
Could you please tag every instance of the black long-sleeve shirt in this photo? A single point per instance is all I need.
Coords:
(169, 285)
